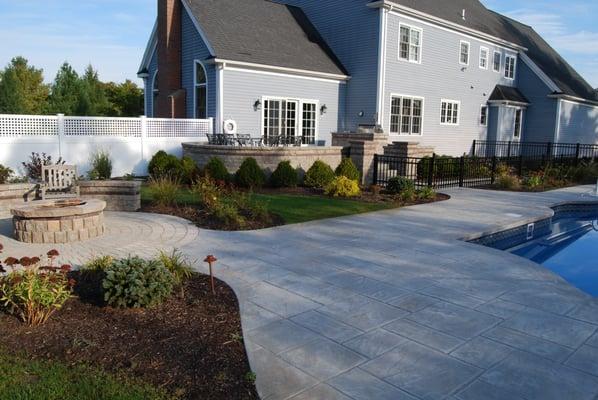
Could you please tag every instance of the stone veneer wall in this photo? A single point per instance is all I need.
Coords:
(118, 195)
(60, 229)
(15, 194)
(266, 157)
(363, 146)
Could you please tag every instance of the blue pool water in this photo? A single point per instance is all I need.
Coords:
(570, 250)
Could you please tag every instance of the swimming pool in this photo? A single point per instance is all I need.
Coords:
(567, 244)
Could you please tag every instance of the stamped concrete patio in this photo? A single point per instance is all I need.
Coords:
(390, 305)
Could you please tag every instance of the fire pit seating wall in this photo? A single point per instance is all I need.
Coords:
(118, 195)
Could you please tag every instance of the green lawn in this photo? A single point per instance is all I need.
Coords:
(22, 379)
(295, 208)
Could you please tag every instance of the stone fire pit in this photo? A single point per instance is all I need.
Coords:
(58, 221)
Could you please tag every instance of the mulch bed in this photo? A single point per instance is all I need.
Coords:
(190, 346)
(204, 220)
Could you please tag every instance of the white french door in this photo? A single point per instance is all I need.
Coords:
(289, 119)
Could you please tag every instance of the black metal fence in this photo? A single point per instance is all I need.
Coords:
(482, 148)
(445, 172)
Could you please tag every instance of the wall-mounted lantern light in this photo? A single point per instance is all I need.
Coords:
(361, 114)
(323, 109)
(257, 105)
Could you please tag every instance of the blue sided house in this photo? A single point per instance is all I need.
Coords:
(440, 73)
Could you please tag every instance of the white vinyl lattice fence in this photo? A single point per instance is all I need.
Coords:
(130, 141)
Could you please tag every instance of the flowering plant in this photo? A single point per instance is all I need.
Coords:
(36, 290)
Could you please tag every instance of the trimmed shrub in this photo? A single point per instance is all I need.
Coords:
(319, 175)
(188, 170)
(163, 164)
(216, 170)
(164, 190)
(408, 194)
(347, 169)
(101, 166)
(134, 282)
(5, 174)
(284, 175)
(397, 185)
(341, 186)
(250, 175)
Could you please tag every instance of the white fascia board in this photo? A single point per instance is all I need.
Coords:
(204, 37)
(150, 48)
(392, 6)
(273, 68)
(574, 99)
(539, 73)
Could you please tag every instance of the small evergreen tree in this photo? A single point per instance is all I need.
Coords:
(22, 89)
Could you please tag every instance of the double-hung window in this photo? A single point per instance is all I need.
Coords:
(484, 115)
(449, 112)
(201, 92)
(410, 43)
(496, 62)
(464, 53)
(510, 67)
(406, 115)
(518, 123)
(484, 58)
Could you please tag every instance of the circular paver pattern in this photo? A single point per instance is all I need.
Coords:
(126, 234)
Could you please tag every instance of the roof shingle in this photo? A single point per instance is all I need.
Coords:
(264, 32)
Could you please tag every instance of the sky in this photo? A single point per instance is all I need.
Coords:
(112, 34)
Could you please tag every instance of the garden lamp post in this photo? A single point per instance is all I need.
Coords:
(210, 260)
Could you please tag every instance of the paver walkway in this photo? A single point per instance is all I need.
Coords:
(392, 305)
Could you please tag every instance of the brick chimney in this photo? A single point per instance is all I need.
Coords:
(171, 95)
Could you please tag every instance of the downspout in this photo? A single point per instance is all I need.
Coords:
(557, 125)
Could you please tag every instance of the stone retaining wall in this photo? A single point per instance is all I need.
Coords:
(267, 157)
(14, 194)
(118, 195)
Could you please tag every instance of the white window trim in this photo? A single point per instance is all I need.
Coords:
(507, 56)
(421, 44)
(421, 128)
(482, 48)
(499, 61)
(461, 42)
(196, 85)
(520, 124)
(487, 114)
(299, 116)
(458, 114)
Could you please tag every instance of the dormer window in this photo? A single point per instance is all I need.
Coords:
(410, 42)
(464, 53)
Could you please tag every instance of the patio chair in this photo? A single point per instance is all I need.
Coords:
(59, 182)
(272, 140)
(229, 139)
(211, 139)
(243, 139)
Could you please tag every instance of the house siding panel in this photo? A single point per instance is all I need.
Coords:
(440, 76)
(243, 88)
(351, 29)
(194, 48)
(578, 123)
(541, 114)
(149, 82)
